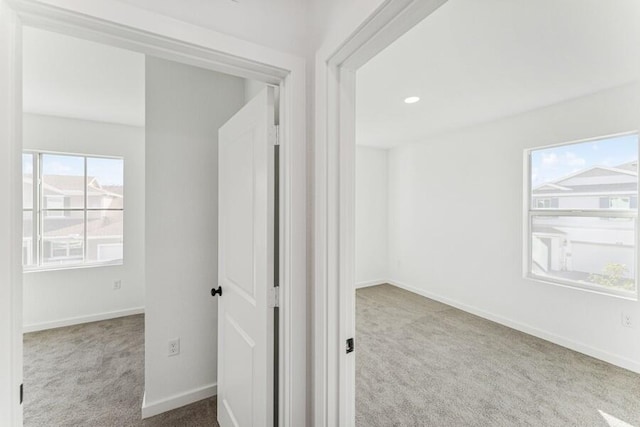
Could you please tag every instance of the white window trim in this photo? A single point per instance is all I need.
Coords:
(530, 212)
(39, 213)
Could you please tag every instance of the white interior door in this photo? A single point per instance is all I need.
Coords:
(245, 265)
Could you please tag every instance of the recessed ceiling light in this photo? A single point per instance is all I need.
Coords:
(412, 99)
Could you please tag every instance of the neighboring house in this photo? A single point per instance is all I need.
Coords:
(576, 247)
(63, 221)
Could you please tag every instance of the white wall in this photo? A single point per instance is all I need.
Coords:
(69, 296)
(333, 22)
(185, 106)
(371, 216)
(456, 225)
(276, 23)
(252, 88)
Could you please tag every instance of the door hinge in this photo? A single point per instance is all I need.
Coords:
(274, 135)
(350, 345)
(21, 393)
(274, 297)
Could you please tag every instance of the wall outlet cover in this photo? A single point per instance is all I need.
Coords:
(174, 347)
(117, 284)
(627, 320)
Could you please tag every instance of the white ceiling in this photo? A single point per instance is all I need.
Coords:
(69, 77)
(476, 61)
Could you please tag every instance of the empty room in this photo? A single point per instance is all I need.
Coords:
(121, 200)
(496, 188)
(83, 228)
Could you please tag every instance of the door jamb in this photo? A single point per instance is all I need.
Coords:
(228, 55)
(334, 245)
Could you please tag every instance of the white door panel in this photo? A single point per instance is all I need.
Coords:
(245, 265)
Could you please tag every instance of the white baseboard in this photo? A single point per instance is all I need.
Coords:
(597, 353)
(81, 319)
(150, 409)
(368, 283)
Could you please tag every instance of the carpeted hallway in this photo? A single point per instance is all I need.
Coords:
(93, 375)
(423, 363)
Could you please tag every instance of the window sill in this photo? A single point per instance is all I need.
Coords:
(28, 270)
(629, 296)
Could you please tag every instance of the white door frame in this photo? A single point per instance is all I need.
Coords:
(142, 31)
(334, 245)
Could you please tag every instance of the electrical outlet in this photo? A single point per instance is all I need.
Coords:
(627, 320)
(174, 347)
(117, 284)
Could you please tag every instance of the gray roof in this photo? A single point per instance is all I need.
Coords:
(575, 182)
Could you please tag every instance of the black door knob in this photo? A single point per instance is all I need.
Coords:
(216, 291)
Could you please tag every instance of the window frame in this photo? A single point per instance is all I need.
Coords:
(531, 212)
(40, 213)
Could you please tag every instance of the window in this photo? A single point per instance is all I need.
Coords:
(583, 214)
(54, 205)
(73, 210)
(621, 203)
(545, 203)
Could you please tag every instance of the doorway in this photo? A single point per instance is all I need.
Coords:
(289, 96)
(421, 268)
(84, 244)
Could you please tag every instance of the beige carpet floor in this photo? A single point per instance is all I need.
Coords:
(423, 363)
(93, 375)
(419, 363)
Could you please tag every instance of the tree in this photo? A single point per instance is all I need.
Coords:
(613, 276)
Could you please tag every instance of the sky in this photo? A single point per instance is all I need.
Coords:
(550, 164)
(107, 171)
